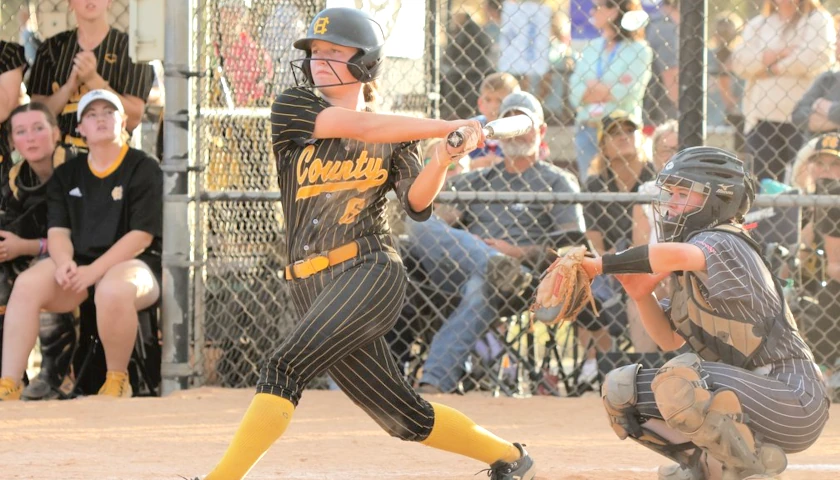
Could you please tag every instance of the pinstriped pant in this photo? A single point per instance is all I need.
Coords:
(788, 408)
(345, 311)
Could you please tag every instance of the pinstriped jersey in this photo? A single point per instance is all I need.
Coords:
(11, 57)
(737, 284)
(54, 61)
(333, 190)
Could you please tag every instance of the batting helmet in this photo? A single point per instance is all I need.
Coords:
(351, 28)
(727, 191)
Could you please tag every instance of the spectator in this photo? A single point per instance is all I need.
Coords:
(91, 56)
(12, 67)
(497, 237)
(524, 41)
(493, 27)
(554, 87)
(612, 73)
(818, 111)
(494, 88)
(621, 166)
(466, 61)
(784, 48)
(725, 89)
(245, 63)
(104, 242)
(286, 24)
(821, 231)
(661, 100)
(34, 133)
(29, 37)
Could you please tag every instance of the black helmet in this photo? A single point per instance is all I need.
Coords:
(719, 175)
(351, 28)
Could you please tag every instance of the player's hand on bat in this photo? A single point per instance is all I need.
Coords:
(85, 62)
(473, 136)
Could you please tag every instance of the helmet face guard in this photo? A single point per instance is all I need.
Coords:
(676, 209)
(348, 27)
(302, 71)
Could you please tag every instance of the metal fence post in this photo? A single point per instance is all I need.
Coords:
(177, 252)
(693, 73)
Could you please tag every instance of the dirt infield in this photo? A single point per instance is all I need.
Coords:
(185, 433)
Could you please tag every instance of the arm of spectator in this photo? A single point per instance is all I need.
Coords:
(813, 53)
(817, 122)
(59, 245)
(641, 227)
(804, 108)
(9, 91)
(449, 213)
(832, 257)
(57, 101)
(633, 82)
(747, 57)
(671, 80)
(129, 246)
(12, 246)
(578, 82)
(597, 239)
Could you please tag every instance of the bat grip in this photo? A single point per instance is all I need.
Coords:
(456, 139)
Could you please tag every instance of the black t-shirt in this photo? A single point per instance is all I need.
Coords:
(100, 208)
(54, 61)
(11, 58)
(613, 220)
(25, 197)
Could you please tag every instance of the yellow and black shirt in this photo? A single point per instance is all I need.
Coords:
(333, 190)
(54, 61)
(99, 208)
(11, 57)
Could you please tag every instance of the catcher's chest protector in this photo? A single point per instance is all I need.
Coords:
(714, 336)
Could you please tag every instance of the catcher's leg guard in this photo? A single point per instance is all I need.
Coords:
(712, 420)
(619, 395)
(58, 334)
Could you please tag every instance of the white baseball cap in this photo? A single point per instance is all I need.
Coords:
(95, 95)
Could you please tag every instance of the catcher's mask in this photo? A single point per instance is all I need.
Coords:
(700, 187)
(348, 27)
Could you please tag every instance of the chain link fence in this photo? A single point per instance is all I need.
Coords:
(465, 323)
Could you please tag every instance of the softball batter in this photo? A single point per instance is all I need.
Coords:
(749, 391)
(336, 161)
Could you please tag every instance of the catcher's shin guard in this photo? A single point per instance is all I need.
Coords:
(58, 336)
(619, 396)
(714, 421)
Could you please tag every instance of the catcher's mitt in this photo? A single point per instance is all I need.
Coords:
(565, 287)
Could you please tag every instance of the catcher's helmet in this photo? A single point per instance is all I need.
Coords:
(727, 191)
(351, 28)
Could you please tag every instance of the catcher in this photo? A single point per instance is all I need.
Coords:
(749, 391)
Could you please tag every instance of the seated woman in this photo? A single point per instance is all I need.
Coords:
(104, 242)
(23, 231)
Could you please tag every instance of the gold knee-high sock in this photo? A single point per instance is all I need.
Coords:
(264, 422)
(455, 432)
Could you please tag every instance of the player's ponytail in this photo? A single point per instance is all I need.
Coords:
(371, 92)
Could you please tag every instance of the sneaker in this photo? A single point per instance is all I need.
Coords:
(10, 389)
(116, 385)
(40, 389)
(522, 469)
(588, 371)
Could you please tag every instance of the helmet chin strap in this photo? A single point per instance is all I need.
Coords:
(308, 79)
